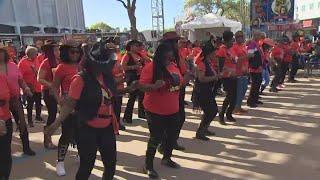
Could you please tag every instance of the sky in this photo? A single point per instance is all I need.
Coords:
(114, 14)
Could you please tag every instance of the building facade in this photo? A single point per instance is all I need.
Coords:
(41, 16)
(308, 12)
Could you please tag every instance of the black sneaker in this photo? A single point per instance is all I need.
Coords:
(179, 147)
(127, 120)
(122, 127)
(221, 120)
(202, 137)
(259, 102)
(141, 115)
(231, 119)
(251, 105)
(209, 133)
(160, 150)
(151, 173)
(169, 163)
(29, 152)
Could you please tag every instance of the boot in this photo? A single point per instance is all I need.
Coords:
(201, 132)
(47, 142)
(148, 168)
(127, 119)
(141, 114)
(263, 87)
(26, 144)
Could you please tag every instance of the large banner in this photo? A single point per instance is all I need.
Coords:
(265, 12)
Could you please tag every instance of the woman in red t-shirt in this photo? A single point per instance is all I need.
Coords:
(203, 92)
(90, 96)
(132, 64)
(227, 69)
(161, 81)
(70, 58)
(28, 69)
(45, 77)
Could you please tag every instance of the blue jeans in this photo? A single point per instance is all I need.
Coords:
(265, 77)
(242, 86)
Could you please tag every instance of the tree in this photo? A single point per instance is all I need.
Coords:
(131, 10)
(228, 8)
(103, 27)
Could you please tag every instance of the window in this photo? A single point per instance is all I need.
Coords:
(311, 6)
(303, 8)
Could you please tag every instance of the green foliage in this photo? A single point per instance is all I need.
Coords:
(103, 27)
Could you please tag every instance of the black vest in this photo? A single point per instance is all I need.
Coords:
(90, 100)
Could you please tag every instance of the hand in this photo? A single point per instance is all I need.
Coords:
(134, 85)
(3, 128)
(52, 128)
(27, 91)
(159, 83)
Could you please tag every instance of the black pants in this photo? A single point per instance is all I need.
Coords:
(229, 103)
(276, 79)
(210, 109)
(294, 67)
(117, 107)
(52, 107)
(158, 126)
(89, 141)
(24, 136)
(284, 69)
(35, 99)
(182, 112)
(256, 80)
(5, 152)
(218, 86)
(67, 136)
(132, 98)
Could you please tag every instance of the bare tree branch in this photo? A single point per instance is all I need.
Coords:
(134, 4)
(123, 3)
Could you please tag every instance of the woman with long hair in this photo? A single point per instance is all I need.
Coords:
(161, 81)
(45, 77)
(90, 96)
(5, 119)
(203, 93)
(28, 69)
(15, 81)
(70, 56)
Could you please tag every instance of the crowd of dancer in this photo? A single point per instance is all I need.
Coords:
(82, 86)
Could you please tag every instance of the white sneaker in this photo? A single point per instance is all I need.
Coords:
(60, 169)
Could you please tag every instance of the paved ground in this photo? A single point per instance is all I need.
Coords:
(280, 140)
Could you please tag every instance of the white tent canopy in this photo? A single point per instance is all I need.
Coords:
(211, 21)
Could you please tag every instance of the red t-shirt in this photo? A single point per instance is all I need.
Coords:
(161, 101)
(45, 66)
(253, 47)
(229, 62)
(196, 51)
(183, 54)
(202, 67)
(29, 73)
(287, 54)
(5, 97)
(118, 73)
(40, 58)
(65, 72)
(13, 76)
(75, 91)
(295, 46)
(277, 53)
(240, 50)
(136, 58)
